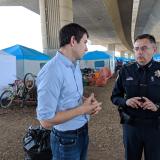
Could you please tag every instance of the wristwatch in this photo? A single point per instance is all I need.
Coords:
(157, 106)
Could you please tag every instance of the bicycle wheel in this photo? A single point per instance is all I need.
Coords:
(29, 81)
(6, 99)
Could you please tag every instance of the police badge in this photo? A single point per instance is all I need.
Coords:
(157, 73)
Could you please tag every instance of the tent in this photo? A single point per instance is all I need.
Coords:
(156, 57)
(124, 59)
(95, 60)
(96, 55)
(7, 69)
(27, 59)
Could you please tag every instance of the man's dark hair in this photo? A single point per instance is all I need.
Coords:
(147, 36)
(70, 30)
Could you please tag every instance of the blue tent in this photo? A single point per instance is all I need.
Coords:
(27, 59)
(123, 59)
(156, 57)
(96, 55)
(25, 53)
(95, 60)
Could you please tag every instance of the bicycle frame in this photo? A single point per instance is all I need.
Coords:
(18, 91)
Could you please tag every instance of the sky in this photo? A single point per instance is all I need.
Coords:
(22, 26)
(19, 25)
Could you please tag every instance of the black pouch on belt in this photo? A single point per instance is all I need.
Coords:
(124, 117)
(158, 122)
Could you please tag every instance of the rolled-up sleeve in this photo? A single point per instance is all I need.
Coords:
(48, 90)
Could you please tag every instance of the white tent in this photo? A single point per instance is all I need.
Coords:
(7, 69)
(28, 60)
(95, 60)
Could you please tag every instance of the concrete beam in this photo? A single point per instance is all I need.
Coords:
(122, 24)
(134, 17)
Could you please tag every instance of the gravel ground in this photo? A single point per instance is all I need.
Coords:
(104, 129)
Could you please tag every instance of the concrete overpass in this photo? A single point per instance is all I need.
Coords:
(112, 23)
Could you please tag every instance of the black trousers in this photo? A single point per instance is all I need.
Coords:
(141, 138)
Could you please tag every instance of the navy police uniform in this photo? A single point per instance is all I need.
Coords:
(141, 128)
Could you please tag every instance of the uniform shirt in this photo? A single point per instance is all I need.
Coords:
(59, 88)
(138, 81)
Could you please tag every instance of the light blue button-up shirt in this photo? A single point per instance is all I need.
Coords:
(59, 87)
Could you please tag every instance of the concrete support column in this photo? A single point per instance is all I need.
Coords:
(111, 47)
(129, 54)
(111, 50)
(132, 56)
(122, 54)
(54, 14)
(66, 12)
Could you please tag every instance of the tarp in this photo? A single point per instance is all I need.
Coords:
(96, 55)
(124, 59)
(7, 69)
(96, 60)
(22, 52)
(156, 57)
(27, 59)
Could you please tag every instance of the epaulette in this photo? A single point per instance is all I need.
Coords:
(129, 64)
(158, 62)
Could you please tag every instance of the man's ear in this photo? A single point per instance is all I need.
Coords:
(72, 41)
(155, 49)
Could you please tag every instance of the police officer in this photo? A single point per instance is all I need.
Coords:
(137, 93)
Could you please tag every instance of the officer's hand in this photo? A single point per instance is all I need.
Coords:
(133, 102)
(148, 104)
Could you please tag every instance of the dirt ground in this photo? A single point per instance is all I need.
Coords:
(104, 128)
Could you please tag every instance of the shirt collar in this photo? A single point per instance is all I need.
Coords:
(66, 61)
(147, 66)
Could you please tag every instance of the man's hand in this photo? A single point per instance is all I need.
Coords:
(97, 109)
(91, 105)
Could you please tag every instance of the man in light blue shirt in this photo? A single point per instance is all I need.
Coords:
(60, 97)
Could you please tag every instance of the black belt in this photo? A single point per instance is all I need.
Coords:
(145, 121)
(76, 131)
(127, 119)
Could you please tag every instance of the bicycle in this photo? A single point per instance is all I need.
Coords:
(18, 90)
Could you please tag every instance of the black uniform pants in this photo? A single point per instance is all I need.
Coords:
(139, 138)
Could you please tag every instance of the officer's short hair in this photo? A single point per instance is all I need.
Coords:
(69, 30)
(147, 36)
